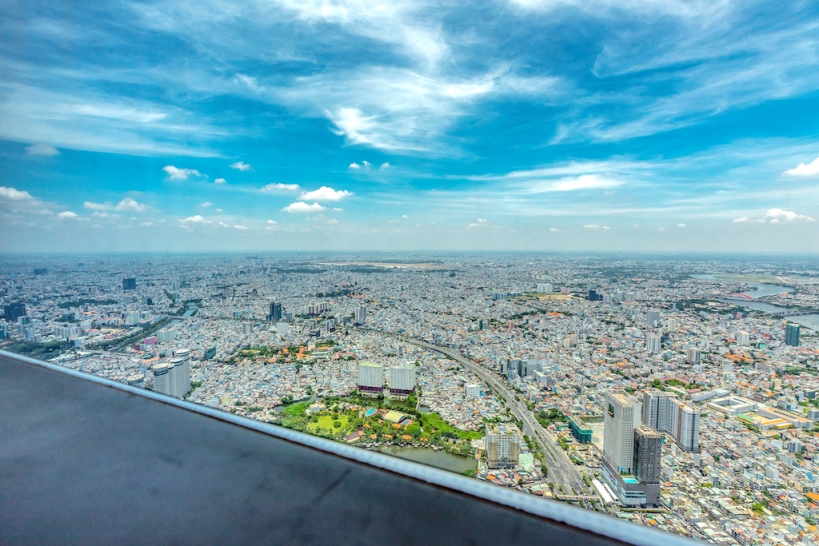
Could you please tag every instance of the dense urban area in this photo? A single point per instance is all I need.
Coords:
(674, 392)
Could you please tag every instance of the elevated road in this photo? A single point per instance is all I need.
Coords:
(562, 472)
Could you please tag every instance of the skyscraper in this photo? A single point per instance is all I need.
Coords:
(667, 413)
(692, 356)
(792, 335)
(275, 312)
(653, 318)
(13, 311)
(622, 416)
(361, 315)
(129, 284)
(647, 454)
(629, 449)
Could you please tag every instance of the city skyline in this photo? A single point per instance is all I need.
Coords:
(550, 126)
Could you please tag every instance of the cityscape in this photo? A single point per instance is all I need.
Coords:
(677, 392)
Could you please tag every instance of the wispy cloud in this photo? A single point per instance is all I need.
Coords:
(241, 166)
(175, 173)
(278, 187)
(127, 204)
(42, 149)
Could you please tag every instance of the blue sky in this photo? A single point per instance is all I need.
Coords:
(521, 125)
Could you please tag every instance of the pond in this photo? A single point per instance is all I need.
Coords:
(430, 457)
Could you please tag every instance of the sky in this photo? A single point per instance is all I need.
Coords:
(537, 125)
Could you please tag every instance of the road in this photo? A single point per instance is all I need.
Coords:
(562, 472)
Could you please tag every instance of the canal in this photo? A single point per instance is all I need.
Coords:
(430, 457)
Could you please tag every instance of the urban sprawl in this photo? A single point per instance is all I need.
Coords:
(674, 393)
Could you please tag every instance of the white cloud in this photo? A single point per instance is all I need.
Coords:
(742, 220)
(324, 193)
(146, 224)
(366, 164)
(606, 227)
(405, 217)
(128, 204)
(583, 182)
(219, 181)
(355, 165)
(805, 169)
(681, 225)
(67, 214)
(778, 215)
(206, 204)
(249, 81)
(303, 207)
(12, 194)
(217, 210)
(591, 226)
(175, 173)
(272, 222)
(223, 224)
(42, 149)
(338, 209)
(554, 230)
(384, 166)
(241, 166)
(125, 205)
(279, 187)
(196, 219)
(237, 226)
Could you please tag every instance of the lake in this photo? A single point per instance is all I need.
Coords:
(430, 457)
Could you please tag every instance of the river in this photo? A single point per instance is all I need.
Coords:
(762, 290)
(439, 459)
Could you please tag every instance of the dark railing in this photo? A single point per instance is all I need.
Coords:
(84, 460)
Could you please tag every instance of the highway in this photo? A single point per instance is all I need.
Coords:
(562, 472)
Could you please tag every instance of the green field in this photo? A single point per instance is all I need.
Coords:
(326, 422)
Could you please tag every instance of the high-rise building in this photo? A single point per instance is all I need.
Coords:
(13, 311)
(665, 412)
(692, 356)
(792, 334)
(631, 459)
(162, 383)
(743, 338)
(502, 445)
(472, 390)
(361, 315)
(129, 284)
(544, 288)
(275, 312)
(653, 318)
(282, 329)
(622, 416)
(592, 295)
(483, 324)
(247, 328)
(402, 380)
(370, 378)
(688, 429)
(647, 454)
(653, 345)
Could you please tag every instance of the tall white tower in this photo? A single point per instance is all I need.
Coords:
(621, 417)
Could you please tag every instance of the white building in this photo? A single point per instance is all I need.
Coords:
(743, 338)
(620, 418)
(688, 429)
(544, 288)
(653, 345)
(472, 390)
(692, 356)
(361, 315)
(370, 378)
(502, 445)
(402, 380)
(282, 329)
